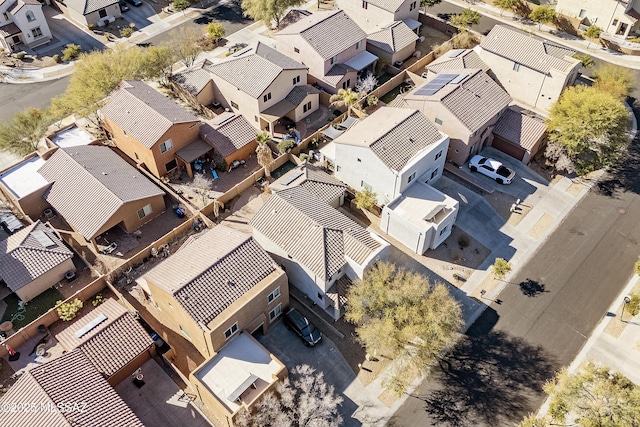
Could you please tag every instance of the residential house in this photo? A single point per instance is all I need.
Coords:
(90, 12)
(394, 42)
(94, 189)
(32, 260)
(332, 45)
(519, 134)
(464, 104)
(264, 86)
(218, 284)
(317, 182)
(615, 17)
(70, 382)
(22, 23)
(531, 69)
(25, 187)
(388, 150)
(319, 247)
(231, 136)
(236, 377)
(111, 338)
(373, 15)
(196, 81)
(148, 127)
(292, 16)
(456, 59)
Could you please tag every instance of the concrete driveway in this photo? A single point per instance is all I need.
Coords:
(142, 15)
(66, 32)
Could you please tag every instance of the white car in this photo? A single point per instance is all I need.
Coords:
(492, 168)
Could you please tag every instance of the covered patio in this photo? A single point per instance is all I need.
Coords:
(190, 155)
(363, 62)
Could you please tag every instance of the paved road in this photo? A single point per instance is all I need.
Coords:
(16, 97)
(495, 376)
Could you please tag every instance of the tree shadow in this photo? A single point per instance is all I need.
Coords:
(623, 175)
(532, 288)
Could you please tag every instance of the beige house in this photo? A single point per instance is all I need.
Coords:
(263, 85)
(218, 284)
(464, 104)
(519, 135)
(22, 24)
(196, 81)
(94, 189)
(90, 12)
(620, 18)
(331, 45)
(532, 70)
(231, 136)
(32, 260)
(149, 127)
(456, 59)
(373, 15)
(25, 187)
(394, 42)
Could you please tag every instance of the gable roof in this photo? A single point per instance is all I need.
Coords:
(317, 182)
(85, 7)
(520, 129)
(394, 135)
(388, 5)
(195, 79)
(9, 29)
(211, 271)
(254, 72)
(474, 99)
(90, 184)
(143, 112)
(328, 33)
(528, 50)
(293, 16)
(458, 59)
(70, 378)
(393, 38)
(230, 136)
(24, 258)
(111, 344)
(313, 233)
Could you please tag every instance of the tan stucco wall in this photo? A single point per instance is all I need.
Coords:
(206, 95)
(400, 55)
(45, 281)
(299, 114)
(130, 367)
(243, 153)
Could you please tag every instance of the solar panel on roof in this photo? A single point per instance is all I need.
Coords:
(292, 178)
(455, 53)
(436, 84)
(458, 79)
(43, 239)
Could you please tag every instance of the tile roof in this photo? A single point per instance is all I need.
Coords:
(90, 184)
(388, 5)
(317, 182)
(293, 99)
(23, 258)
(299, 93)
(336, 73)
(211, 271)
(143, 112)
(85, 7)
(194, 79)
(528, 50)
(393, 38)
(253, 73)
(328, 33)
(9, 30)
(293, 16)
(112, 344)
(519, 128)
(395, 135)
(313, 233)
(230, 136)
(70, 378)
(458, 59)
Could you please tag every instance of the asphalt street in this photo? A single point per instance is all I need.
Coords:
(17, 97)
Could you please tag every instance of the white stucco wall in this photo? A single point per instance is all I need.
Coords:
(280, 87)
(373, 18)
(20, 19)
(602, 13)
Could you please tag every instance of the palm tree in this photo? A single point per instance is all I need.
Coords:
(347, 98)
(263, 152)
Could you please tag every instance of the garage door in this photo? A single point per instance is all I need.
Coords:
(508, 148)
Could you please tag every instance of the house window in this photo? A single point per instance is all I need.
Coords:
(274, 294)
(306, 107)
(277, 311)
(185, 333)
(37, 32)
(412, 6)
(171, 165)
(102, 13)
(296, 50)
(582, 13)
(234, 105)
(516, 66)
(346, 84)
(296, 80)
(438, 155)
(267, 97)
(232, 330)
(615, 22)
(434, 173)
(365, 185)
(358, 44)
(364, 4)
(320, 296)
(6, 17)
(438, 121)
(30, 16)
(166, 146)
(144, 211)
(443, 230)
(411, 177)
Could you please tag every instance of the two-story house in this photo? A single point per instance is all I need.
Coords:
(456, 59)
(373, 15)
(393, 42)
(531, 69)
(332, 45)
(22, 23)
(464, 104)
(616, 17)
(147, 126)
(91, 12)
(319, 247)
(264, 85)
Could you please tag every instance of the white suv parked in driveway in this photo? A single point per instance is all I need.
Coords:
(492, 168)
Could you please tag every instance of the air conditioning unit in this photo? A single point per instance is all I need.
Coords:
(48, 213)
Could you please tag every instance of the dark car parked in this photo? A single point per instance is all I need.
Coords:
(300, 325)
(123, 6)
(135, 2)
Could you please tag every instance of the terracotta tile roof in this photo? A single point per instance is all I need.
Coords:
(90, 184)
(194, 79)
(70, 378)
(520, 129)
(143, 112)
(111, 344)
(528, 50)
(253, 73)
(313, 233)
(328, 33)
(230, 136)
(393, 38)
(458, 59)
(24, 258)
(211, 271)
(85, 7)
(395, 135)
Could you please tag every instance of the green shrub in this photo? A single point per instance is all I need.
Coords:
(71, 52)
(372, 100)
(68, 310)
(99, 299)
(286, 145)
(305, 157)
(366, 199)
(57, 58)
(501, 267)
(21, 55)
(634, 305)
(126, 32)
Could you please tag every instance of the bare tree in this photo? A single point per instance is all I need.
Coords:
(263, 153)
(365, 85)
(304, 399)
(203, 183)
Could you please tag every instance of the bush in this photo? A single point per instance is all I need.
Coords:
(68, 310)
(366, 199)
(99, 299)
(305, 157)
(221, 164)
(286, 145)
(634, 304)
(71, 52)
(501, 267)
(372, 100)
(21, 55)
(57, 58)
(126, 32)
